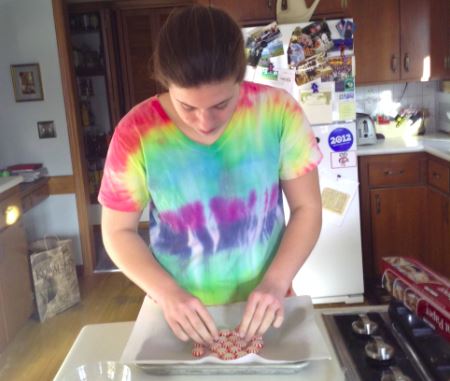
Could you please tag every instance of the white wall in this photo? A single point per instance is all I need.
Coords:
(27, 35)
(391, 97)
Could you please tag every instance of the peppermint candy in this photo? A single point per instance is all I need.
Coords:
(229, 346)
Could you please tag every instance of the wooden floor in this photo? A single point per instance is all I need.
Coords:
(38, 350)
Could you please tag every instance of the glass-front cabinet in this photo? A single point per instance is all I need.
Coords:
(92, 37)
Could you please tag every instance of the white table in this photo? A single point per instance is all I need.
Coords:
(107, 341)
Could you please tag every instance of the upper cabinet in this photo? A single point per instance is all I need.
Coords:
(403, 40)
(330, 9)
(249, 12)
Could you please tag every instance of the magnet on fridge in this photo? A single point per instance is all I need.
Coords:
(340, 139)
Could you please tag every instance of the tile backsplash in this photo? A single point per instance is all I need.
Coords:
(388, 99)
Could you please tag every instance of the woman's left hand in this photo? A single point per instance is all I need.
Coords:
(264, 309)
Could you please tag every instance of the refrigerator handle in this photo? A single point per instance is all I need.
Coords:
(377, 204)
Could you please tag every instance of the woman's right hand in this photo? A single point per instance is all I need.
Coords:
(187, 317)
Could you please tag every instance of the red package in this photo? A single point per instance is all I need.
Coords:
(421, 290)
(24, 167)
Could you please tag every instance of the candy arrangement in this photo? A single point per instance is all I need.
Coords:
(229, 346)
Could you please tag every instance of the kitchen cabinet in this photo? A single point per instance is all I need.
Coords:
(393, 203)
(92, 39)
(330, 9)
(15, 280)
(437, 254)
(400, 40)
(250, 12)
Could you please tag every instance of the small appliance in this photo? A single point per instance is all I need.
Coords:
(365, 130)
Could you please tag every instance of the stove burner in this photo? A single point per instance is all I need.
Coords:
(394, 374)
(364, 326)
(383, 357)
(377, 349)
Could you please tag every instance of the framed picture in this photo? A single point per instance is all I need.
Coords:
(27, 82)
(46, 129)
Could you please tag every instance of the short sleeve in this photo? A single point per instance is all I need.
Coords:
(124, 185)
(299, 152)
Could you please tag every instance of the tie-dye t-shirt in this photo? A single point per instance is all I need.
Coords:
(216, 211)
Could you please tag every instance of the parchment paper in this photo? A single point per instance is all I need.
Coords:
(298, 339)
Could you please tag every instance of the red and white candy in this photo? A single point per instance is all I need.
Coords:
(229, 346)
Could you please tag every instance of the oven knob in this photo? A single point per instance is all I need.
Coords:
(394, 374)
(364, 326)
(377, 349)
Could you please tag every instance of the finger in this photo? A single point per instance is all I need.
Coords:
(257, 319)
(200, 328)
(247, 317)
(208, 321)
(279, 318)
(190, 330)
(178, 331)
(268, 319)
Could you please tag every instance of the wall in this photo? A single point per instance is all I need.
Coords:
(390, 98)
(27, 35)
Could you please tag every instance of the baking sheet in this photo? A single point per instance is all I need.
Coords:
(298, 340)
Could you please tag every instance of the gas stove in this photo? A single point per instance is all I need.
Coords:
(386, 344)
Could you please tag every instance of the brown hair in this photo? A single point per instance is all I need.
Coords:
(199, 45)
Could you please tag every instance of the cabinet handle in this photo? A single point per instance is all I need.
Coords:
(394, 63)
(446, 213)
(388, 172)
(406, 62)
(269, 4)
(436, 175)
(378, 204)
(284, 5)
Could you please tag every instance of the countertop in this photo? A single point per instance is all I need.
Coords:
(9, 182)
(105, 342)
(436, 144)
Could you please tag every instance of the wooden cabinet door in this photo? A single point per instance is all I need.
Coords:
(437, 253)
(397, 223)
(137, 30)
(415, 39)
(249, 12)
(3, 337)
(329, 9)
(15, 279)
(377, 45)
(440, 39)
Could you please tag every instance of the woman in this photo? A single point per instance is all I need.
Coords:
(211, 156)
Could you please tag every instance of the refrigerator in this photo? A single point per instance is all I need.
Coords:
(314, 61)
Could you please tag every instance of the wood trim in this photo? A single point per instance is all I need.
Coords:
(61, 185)
(60, 15)
(139, 4)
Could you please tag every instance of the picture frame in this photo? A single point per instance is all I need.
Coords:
(46, 129)
(27, 83)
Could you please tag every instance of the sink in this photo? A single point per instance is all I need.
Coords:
(9, 182)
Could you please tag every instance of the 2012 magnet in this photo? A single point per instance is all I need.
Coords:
(340, 139)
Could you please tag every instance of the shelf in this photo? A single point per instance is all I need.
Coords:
(90, 72)
(75, 32)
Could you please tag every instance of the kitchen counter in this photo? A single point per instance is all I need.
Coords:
(9, 182)
(437, 144)
(105, 342)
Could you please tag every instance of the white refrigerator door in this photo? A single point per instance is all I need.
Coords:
(333, 272)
